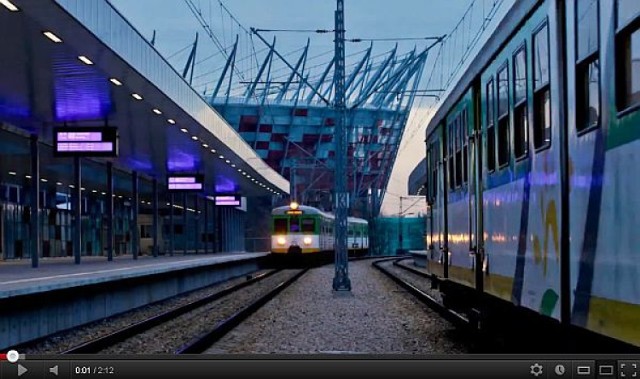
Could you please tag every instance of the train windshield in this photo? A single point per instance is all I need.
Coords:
(294, 225)
(308, 225)
(280, 225)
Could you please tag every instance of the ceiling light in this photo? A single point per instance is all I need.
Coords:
(43, 180)
(228, 161)
(58, 183)
(85, 60)
(157, 111)
(52, 37)
(239, 169)
(195, 138)
(94, 191)
(136, 96)
(103, 193)
(72, 186)
(115, 81)
(9, 5)
(221, 157)
(82, 188)
(233, 165)
(213, 151)
(205, 145)
(12, 173)
(171, 121)
(28, 176)
(183, 130)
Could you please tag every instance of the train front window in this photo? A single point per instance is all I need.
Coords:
(294, 225)
(308, 225)
(280, 226)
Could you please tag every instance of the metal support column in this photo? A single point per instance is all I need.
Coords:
(110, 200)
(206, 225)
(35, 202)
(135, 209)
(214, 227)
(184, 223)
(196, 227)
(171, 228)
(154, 232)
(77, 209)
(341, 280)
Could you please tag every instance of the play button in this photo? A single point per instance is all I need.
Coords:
(21, 370)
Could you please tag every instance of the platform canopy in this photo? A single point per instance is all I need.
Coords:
(80, 63)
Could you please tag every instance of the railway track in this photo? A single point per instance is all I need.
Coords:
(118, 340)
(390, 268)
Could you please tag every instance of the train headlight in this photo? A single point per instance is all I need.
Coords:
(282, 240)
(307, 240)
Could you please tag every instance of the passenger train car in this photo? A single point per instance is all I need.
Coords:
(303, 230)
(533, 167)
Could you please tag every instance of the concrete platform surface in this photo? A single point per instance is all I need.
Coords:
(18, 278)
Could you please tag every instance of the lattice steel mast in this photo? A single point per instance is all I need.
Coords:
(341, 280)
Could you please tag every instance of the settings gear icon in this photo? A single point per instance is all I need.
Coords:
(536, 369)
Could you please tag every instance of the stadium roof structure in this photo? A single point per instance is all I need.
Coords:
(289, 119)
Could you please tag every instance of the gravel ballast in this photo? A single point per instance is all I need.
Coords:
(376, 317)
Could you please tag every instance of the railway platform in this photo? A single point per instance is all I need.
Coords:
(60, 294)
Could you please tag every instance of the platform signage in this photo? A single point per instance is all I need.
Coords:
(85, 141)
(229, 200)
(185, 182)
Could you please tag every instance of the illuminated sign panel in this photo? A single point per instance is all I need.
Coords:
(185, 183)
(294, 212)
(229, 200)
(86, 141)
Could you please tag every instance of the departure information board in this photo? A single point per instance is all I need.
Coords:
(86, 141)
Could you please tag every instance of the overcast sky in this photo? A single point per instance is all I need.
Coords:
(176, 26)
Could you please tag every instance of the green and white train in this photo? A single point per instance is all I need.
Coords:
(533, 171)
(300, 229)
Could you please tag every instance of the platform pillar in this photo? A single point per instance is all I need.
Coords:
(196, 227)
(206, 225)
(184, 223)
(110, 210)
(135, 208)
(77, 209)
(35, 202)
(171, 231)
(155, 205)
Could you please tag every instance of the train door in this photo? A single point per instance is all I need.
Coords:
(476, 241)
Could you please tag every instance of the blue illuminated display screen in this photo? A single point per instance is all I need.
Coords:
(86, 141)
(184, 182)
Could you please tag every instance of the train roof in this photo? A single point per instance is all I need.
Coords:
(518, 13)
(282, 211)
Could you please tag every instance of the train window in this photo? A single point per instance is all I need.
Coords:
(491, 133)
(465, 146)
(503, 115)
(434, 171)
(627, 11)
(294, 225)
(308, 225)
(541, 89)
(280, 226)
(520, 135)
(458, 137)
(588, 66)
(587, 23)
(450, 156)
(628, 70)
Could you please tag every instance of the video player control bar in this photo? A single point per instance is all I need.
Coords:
(319, 367)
